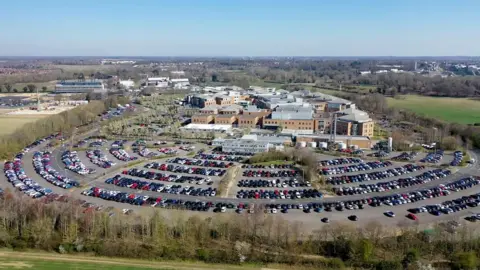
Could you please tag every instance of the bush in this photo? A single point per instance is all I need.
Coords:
(388, 265)
(464, 260)
(269, 156)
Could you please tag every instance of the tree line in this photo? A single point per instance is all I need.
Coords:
(230, 238)
(409, 122)
(64, 122)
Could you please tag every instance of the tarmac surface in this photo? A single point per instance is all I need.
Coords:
(311, 220)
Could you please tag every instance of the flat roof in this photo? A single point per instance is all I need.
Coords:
(224, 116)
(337, 137)
(247, 116)
(207, 127)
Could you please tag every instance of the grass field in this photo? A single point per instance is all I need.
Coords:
(455, 110)
(50, 86)
(10, 123)
(51, 261)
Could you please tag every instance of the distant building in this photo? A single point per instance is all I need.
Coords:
(180, 83)
(79, 86)
(160, 82)
(127, 83)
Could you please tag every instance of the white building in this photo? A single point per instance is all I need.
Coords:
(127, 83)
(180, 83)
(177, 73)
(251, 144)
(161, 82)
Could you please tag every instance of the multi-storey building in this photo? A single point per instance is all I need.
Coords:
(353, 122)
(79, 86)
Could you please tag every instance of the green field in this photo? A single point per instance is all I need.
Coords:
(19, 86)
(51, 261)
(10, 123)
(455, 110)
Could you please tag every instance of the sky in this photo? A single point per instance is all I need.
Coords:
(240, 28)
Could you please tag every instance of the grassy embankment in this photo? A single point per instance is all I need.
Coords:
(51, 261)
(455, 110)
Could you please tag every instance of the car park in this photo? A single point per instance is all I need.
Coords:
(98, 158)
(271, 166)
(262, 183)
(118, 143)
(270, 173)
(185, 169)
(191, 179)
(139, 199)
(167, 151)
(405, 156)
(449, 206)
(42, 164)
(423, 178)
(433, 157)
(74, 164)
(457, 158)
(231, 158)
(16, 175)
(378, 175)
(200, 162)
(355, 167)
(121, 154)
(97, 143)
(340, 161)
(126, 182)
(279, 194)
(145, 152)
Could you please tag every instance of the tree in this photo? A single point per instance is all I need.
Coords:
(44, 89)
(25, 89)
(1, 88)
(31, 87)
(243, 83)
(411, 257)
(8, 87)
(14, 90)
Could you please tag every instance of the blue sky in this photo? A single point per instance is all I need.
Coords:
(239, 28)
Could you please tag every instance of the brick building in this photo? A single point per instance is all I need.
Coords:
(202, 119)
(248, 121)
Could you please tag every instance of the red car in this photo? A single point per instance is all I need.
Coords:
(412, 216)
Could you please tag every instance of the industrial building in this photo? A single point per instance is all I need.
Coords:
(160, 82)
(79, 86)
(251, 144)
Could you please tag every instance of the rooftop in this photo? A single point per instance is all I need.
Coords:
(207, 127)
(244, 116)
(337, 137)
(224, 116)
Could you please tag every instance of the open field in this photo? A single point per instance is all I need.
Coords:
(51, 261)
(456, 110)
(10, 123)
(50, 86)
